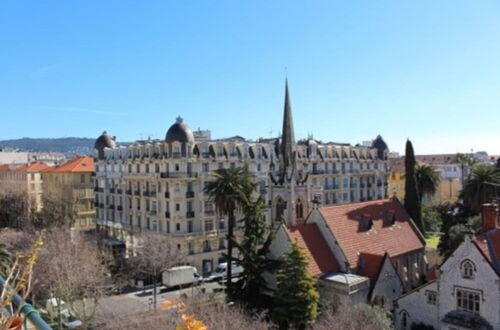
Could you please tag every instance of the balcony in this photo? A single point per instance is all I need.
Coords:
(119, 208)
(178, 175)
(316, 171)
(137, 192)
(96, 189)
(101, 205)
(153, 212)
(150, 193)
(119, 191)
(111, 206)
(362, 185)
(189, 194)
(379, 184)
(167, 215)
(112, 190)
(100, 189)
(128, 191)
(209, 213)
(190, 214)
(167, 194)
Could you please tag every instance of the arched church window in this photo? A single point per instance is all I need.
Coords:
(468, 269)
(299, 210)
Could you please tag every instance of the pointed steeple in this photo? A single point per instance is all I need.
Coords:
(288, 138)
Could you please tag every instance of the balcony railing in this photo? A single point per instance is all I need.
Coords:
(317, 171)
(209, 213)
(150, 193)
(190, 214)
(167, 194)
(189, 194)
(119, 208)
(167, 215)
(112, 190)
(177, 175)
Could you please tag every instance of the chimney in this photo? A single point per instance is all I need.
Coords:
(490, 216)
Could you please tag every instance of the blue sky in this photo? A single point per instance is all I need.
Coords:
(427, 70)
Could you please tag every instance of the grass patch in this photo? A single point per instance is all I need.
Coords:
(432, 241)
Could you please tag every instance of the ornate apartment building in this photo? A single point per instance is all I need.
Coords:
(158, 185)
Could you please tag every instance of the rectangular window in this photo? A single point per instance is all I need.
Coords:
(431, 297)
(205, 167)
(209, 225)
(468, 301)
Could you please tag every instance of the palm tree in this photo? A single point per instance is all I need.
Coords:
(5, 260)
(480, 186)
(231, 189)
(427, 180)
(466, 163)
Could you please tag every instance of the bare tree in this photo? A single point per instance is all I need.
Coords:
(59, 210)
(16, 211)
(358, 317)
(155, 254)
(72, 269)
(212, 315)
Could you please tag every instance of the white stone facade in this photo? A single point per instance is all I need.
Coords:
(467, 287)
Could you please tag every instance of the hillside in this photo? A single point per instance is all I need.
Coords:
(70, 145)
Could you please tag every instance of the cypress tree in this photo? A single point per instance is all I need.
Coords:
(296, 295)
(412, 198)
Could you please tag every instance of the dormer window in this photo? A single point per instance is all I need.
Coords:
(468, 269)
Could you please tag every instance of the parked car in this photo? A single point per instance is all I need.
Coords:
(69, 321)
(221, 271)
(182, 275)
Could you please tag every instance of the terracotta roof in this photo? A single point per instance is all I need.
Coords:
(349, 224)
(489, 243)
(437, 159)
(369, 265)
(77, 164)
(4, 167)
(309, 238)
(33, 167)
(397, 164)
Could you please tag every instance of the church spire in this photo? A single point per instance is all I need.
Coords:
(288, 138)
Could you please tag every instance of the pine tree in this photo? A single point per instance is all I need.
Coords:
(296, 295)
(254, 251)
(412, 199)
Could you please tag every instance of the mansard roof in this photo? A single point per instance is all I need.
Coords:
(379, 238)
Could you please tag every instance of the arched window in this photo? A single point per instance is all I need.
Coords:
(280, 209)
(299, 210)
(468, 269)
(405, 320)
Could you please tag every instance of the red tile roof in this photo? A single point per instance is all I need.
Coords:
(4, 167)
(344, 221)
(309, 238)
(489, 243)
(33, 167)
(370, 265)
(77, 164)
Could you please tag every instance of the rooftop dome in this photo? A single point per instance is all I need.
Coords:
(381, 147)
(179, 132)
(105, 141)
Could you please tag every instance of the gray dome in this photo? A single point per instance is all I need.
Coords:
(179, 132)
(104, 141)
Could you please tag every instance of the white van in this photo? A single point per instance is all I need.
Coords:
(221, 271)
(182, 275)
